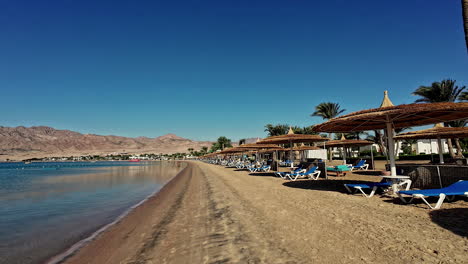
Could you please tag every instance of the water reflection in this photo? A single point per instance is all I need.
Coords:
(46, 211)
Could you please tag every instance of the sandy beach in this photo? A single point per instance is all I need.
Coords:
(212, 214)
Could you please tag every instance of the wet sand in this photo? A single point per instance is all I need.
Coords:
(212, 214)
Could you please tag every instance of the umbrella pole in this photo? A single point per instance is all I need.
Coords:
(430, 144)
(372, 156)
(391, 147)
(441, 150)
(291, 154)
(344, 155)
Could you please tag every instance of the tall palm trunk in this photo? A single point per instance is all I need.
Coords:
(450, 148)
(459, 148)
(465, 19)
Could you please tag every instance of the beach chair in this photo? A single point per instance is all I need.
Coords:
(264, 168)
(361, 165)
(282, 174)
(312, 173)
(340, 170)
(458, 188)
(352, 188)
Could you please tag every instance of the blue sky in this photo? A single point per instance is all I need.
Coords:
(203, 69)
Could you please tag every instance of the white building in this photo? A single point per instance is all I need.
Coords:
(429, 146)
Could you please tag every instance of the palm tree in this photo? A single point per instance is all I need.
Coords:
(458, 123)
(328, 110)
(444, 91)
(465, 20)
(204, 150)
(221, 143)
(378, 138)
(276, 130)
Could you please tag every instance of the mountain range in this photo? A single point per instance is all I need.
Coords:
(21, 142)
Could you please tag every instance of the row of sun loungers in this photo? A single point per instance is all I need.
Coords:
(449, 192)
(407, 196)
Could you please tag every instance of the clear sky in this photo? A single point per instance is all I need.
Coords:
(203, 69)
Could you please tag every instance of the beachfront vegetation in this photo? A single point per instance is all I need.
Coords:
(221, 143)
(328, 110)
(283, 129)
(444, 91)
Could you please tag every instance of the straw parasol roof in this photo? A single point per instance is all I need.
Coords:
(302, 148)
(343, 142)
(389, 117)
(255, 146)
(292, 138)
(438, 131)
(400, 116)
(271, 150)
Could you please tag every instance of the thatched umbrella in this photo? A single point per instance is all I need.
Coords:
(303, 148)
(437, 132)
(257, 147)
(389, 117)
(343, 142)
(291, 138)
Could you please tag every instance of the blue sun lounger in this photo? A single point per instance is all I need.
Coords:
(458, 188)
(282, 174)
(371, 185)
(312, 173)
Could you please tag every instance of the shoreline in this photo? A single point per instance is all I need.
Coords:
(76, 247)
(211, 214)
(94, 247)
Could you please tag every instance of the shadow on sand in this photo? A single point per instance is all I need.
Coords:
(263, 174)
(454, 219)
(322, 185)
(368, 172)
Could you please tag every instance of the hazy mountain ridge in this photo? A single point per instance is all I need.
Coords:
(41, 141)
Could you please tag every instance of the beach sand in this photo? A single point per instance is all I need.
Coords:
(212, 214)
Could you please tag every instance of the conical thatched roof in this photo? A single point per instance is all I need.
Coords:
(400, 116)
(438, 131)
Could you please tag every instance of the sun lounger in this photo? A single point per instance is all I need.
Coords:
(340, 170)
(264, 168)
(312, 173)
(360, 166)
(458, 188)
(282, 174)
(371, 185)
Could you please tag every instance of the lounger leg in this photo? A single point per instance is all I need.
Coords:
(348, 189)
(317, 174)
(438, 204)
(404, 200)
(365, 195)
(407, 182)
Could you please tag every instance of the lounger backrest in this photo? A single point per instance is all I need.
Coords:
(299, 168)
(311, 170)
(460, 185)
(361, 163)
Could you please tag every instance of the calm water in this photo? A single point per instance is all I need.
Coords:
(47, 207)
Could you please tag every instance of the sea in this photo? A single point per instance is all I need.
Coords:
(49, 209)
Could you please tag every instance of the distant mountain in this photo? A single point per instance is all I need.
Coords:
(41, 141)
